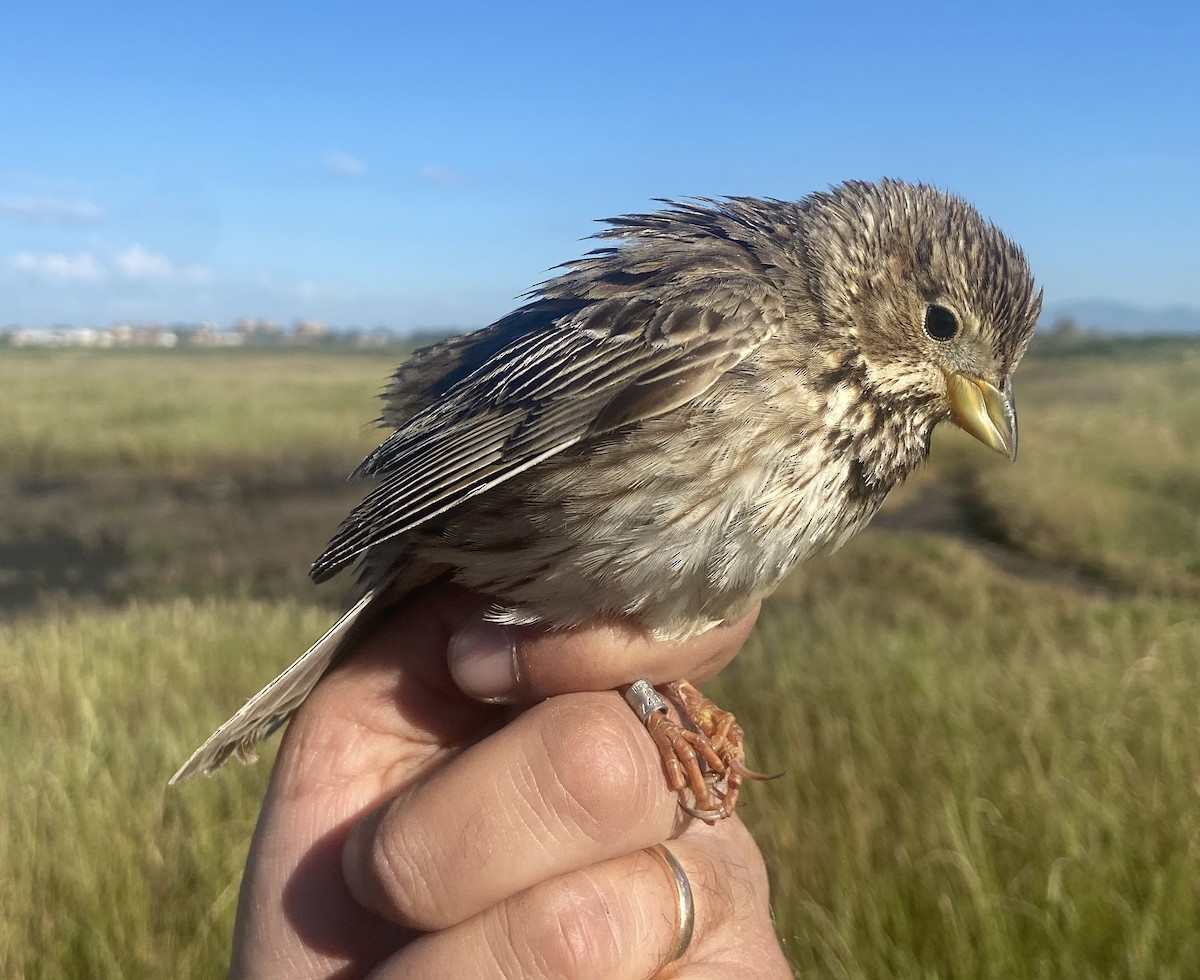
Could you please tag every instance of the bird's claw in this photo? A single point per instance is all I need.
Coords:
(710, 817)
(704, 761)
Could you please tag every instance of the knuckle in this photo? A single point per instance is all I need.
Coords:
(578, 937)
(600, 776)
(572, 933)
(396, 884)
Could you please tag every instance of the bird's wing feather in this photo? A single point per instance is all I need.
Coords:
(558, 371)
(277, 702)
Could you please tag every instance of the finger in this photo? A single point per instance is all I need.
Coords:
(617, 919)
(570, 782)
(367, 730)
(735, 934)
(493, 662)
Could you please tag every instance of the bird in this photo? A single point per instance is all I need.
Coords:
(722, 389)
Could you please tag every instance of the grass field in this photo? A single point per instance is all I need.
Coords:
(986, 704)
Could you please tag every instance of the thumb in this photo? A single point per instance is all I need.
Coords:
(509, 665)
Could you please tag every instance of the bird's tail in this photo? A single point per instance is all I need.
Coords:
(278, 701)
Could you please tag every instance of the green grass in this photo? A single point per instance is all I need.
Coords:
(173, 414)
(989, 727)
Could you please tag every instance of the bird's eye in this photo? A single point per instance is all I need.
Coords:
(940, 323)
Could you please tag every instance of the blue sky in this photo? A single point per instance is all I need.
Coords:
(421, 164)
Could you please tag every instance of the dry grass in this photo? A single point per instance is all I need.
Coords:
(106, 873)
(988, 779)
(1109, 478)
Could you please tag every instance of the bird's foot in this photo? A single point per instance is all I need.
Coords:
(704, 756)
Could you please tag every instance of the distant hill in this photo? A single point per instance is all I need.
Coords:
(1108, 316)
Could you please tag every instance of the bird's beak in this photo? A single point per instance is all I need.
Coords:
(985, 411)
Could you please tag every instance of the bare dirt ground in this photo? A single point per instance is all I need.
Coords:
(943, 506)
(114, 536)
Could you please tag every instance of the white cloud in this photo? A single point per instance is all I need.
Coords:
(49, 209)
(135, 264)
(141, 264)
(59, 266)
(344, 165)
(437, 174)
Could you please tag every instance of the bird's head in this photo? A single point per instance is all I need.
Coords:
(934, 302)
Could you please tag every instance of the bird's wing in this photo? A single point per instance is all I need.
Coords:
(557, 371)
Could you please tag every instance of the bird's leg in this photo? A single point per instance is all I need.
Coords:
(703, 757)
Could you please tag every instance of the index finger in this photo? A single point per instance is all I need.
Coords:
(570, 782)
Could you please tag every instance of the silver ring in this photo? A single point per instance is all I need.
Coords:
(685, 909)
(644, 700)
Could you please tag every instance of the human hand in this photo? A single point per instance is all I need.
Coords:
(415, 832)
